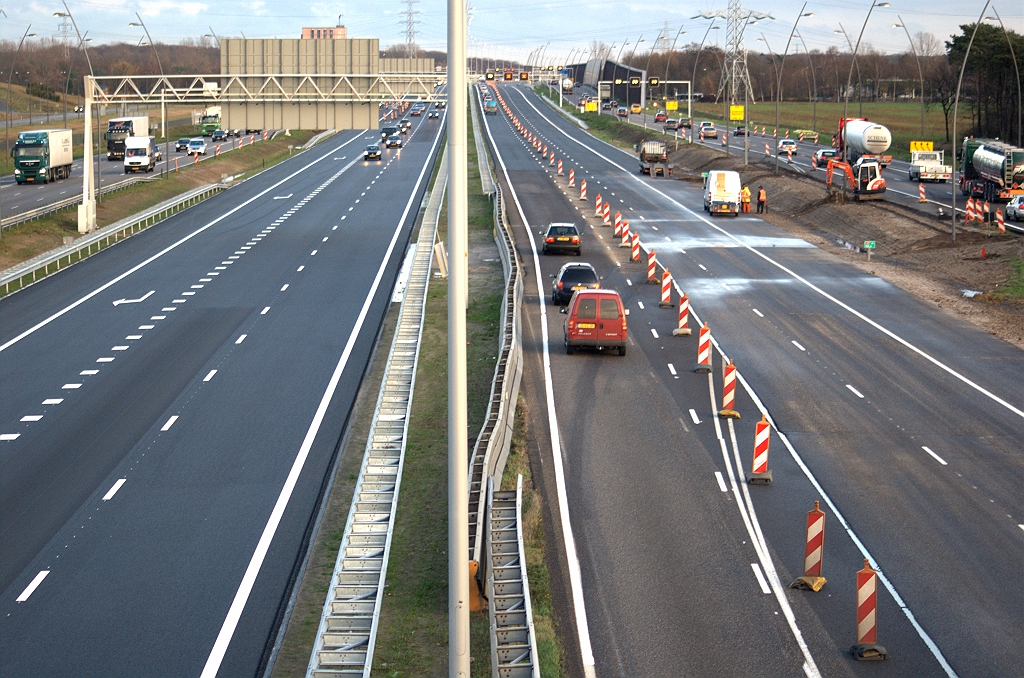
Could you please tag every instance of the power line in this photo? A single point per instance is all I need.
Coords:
(736, 73)
(410, 28)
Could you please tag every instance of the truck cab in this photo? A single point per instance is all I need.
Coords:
(42, 156)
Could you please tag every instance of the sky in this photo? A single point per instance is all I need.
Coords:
(503, 29)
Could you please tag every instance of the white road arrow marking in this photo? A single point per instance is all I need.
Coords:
(134, 301)
(283, 197)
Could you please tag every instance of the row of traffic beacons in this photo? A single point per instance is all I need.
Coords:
(867, 647)
(979, 211)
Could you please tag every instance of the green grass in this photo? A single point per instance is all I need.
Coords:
(1014, 287)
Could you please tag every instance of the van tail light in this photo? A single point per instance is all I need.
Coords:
(549, 240)
(572, 325)
(576, 240)
(623, 324)
(560, 283)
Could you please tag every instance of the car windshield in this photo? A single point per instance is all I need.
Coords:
(394, 138)
(195, 143)
(578, 274)
(137, 152)
(372, 149)
(183, 141)
(587, 309)
(562, 230)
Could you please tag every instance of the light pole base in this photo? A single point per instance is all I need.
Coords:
(87, 216)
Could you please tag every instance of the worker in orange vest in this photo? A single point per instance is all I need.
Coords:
(762, 200)
(745, 194)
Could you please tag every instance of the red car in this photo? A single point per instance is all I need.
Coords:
(660, 116)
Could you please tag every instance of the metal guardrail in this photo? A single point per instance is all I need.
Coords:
(486, 180)
(495, 438)
(348, 625)
(16, 219)
(35, 269)
(513, 636)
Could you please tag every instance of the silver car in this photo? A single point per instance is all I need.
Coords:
(1015, 208)
(197, 146)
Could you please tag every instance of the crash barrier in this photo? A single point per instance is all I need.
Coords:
(513, 637)
(486, 181)
(37, 268)
(64, 204)
(347, 632)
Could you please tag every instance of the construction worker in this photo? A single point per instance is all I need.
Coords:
(745, 194)
(762, 200)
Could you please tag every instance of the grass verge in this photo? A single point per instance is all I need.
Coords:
(1014, 286)
(31, 238)
(549, 648)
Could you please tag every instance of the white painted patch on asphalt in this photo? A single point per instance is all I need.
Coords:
(264, 311)
(89, 372)
(693, 416)
(640, 304)
(325, 239)
(241, 338)
(209, 376)
(71, 386)
(313, 253)
(197, 287)
(299, 269)
(113, 490)
(119, 348)
(654, 332)
(170, 423)
(30, 589)
(795, 343)
(935, 456)
(702, 267)
(53, 401)
(629, 282)
(158, 317)
(9, 436)
(284, 287)
(32, 417)
(761, 581)
(186, 294)
(721, 481)
(131, 337)
(855, 391)
(761, 315)
(672, 369)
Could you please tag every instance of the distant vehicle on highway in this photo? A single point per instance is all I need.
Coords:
(636, 109)
(416, 112)
(393, 141)
(622, 112)
(1015, 208)
(708, 129)
(141, 154)
(433, 114)
(595, 319)
(787, 146)
(821, 156)
(671, 125)
(740, 132)
(572, 277)
(181, 144)
(562, 237)
(79, 109)
(372, 152)
(197, 145)
(219, 135)
(439, 104)
(385, 132)
(609, 105)
(660, 116)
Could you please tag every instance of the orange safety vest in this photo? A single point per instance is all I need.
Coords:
(762, 195)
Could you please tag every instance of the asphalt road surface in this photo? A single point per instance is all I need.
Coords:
(172, 407)
(905, 422)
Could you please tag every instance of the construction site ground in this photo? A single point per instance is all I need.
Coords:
(914, 249)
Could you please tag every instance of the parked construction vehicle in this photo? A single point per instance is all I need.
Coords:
(990, 169)
(864, 177)
(654, 158)
(928, 165)
(860, 138)
(42, 155)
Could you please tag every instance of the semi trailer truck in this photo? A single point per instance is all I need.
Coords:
(990, 169)
(119, 129)
(42, 156)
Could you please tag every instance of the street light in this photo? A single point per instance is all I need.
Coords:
(693, 80)
(920, 73)
(1013, 57)
(778, 76)
(163, 81)
(849, 78)
(672, 51)
(860, 98)
(10, 74)
(630, 67)
(814, 83)
(615, 69)
(213, 35)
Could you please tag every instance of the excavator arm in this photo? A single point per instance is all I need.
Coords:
(847, 172)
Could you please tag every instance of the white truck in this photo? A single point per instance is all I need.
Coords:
(141, 154)
(928, 166)
(42, 155)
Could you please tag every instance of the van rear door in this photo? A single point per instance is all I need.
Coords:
(609, 322)
(585, 315)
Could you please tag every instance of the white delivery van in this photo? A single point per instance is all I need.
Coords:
(140, 154)
(722, 192)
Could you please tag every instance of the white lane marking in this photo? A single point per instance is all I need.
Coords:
(113, 490)
(32, 417)
(157, 317)
(721, 481)
(325, 239)
(855, 391)
(167, 249)
(283, 197)
(640, 304)
(206, 280)
(241, 338)
(69, 386)
(53, 401)
(672, 369)
(227, 630)
(313, 253)
(693, 415)
(335, 228)
(220, 268)
(133, 336)
(9, 436)
(169, 309)
(935, 456)
(170, 423)
(186, 294)
(299, 269)
(702, 267)
(197, 287)
(760, 315)
(264, 311)
(795, 343)
(284, 287)
(629, 282)
(654, 332)
(575, 576)
(1021, 526)
(30, 589)
(119, 348)
(209, 376)
(765, 589)
(88, 372)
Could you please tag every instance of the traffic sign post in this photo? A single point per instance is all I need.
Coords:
(869, 245)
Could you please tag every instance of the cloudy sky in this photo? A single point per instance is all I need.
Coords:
(503, 29)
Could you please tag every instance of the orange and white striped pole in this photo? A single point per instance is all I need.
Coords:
(801, 136)
(559, 168)
(1000, 221)
(729, 391)
(218, 150)
(787, 134)
(767, 150)
(867, 647)
(175, 164)
(921, 197)
(986, 213)
(551, 162)
(266, 135)
(814, 545)
(652, 268)
(666, 290)
(789, 155)
(572, 178)
(545, 150)
(759, 473)
(815, 137)
(683, 330)
(969, 216)
(597, 205)
(625, 234)
(635, 253)
(703, 350)
(606, 215)
(618, 223)
(252, 139)
(583, 190)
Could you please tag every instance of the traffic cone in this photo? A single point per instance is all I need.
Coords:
(921, 197)
(703, 350)
(583, 190)
(729, 391)
(867, 648)
(683, 329)
(606, 214)
(1000, 222)
(636, 247)
(597, 205)
(625, 234)
(814, 546)
(572, 178)
(666, 290)
(652, 267)
(759, 473)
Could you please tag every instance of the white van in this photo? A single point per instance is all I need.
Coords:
(722, 192)
(140, 154)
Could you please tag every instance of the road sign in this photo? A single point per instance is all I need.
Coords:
(736, 112)
(922, 146)
(508, 76)
(523, 75)
(869, 244)
(634, 82)
(653, 82)
(490, 76)
(591, 107)
(671, 105)
(618, 81)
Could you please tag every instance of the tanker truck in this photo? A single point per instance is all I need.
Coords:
(567, 86)
(866, 139)
(991, 169)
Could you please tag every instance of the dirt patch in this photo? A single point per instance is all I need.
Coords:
(914, 250)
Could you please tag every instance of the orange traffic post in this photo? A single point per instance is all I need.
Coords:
(1000, 221)
(635, 252)
(583, 190)
(652, 268)
(597, 205)
(814, 546)
(759, 473)
(624, 234)
(729, 391)
(704, 350)
(606, 214)
(921, 197)
(867, 648)
(559, 167)
(618, 223)
(572, 178)
(683, 330)
(666, 290)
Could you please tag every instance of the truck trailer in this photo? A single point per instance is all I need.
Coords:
(999, 168)
(654, 158)
(41, 156)
(865, 139)
(119, 129)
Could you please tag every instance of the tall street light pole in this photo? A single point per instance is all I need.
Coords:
(920, 72)
(849, 78)
(10, 74)
(629, 67)
(615, 70)
(778, 75)
(672, 50)
(1016, 69)
(696, 60)
(956, 102)
(860, 99)
(163, 88)
(814, 83)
